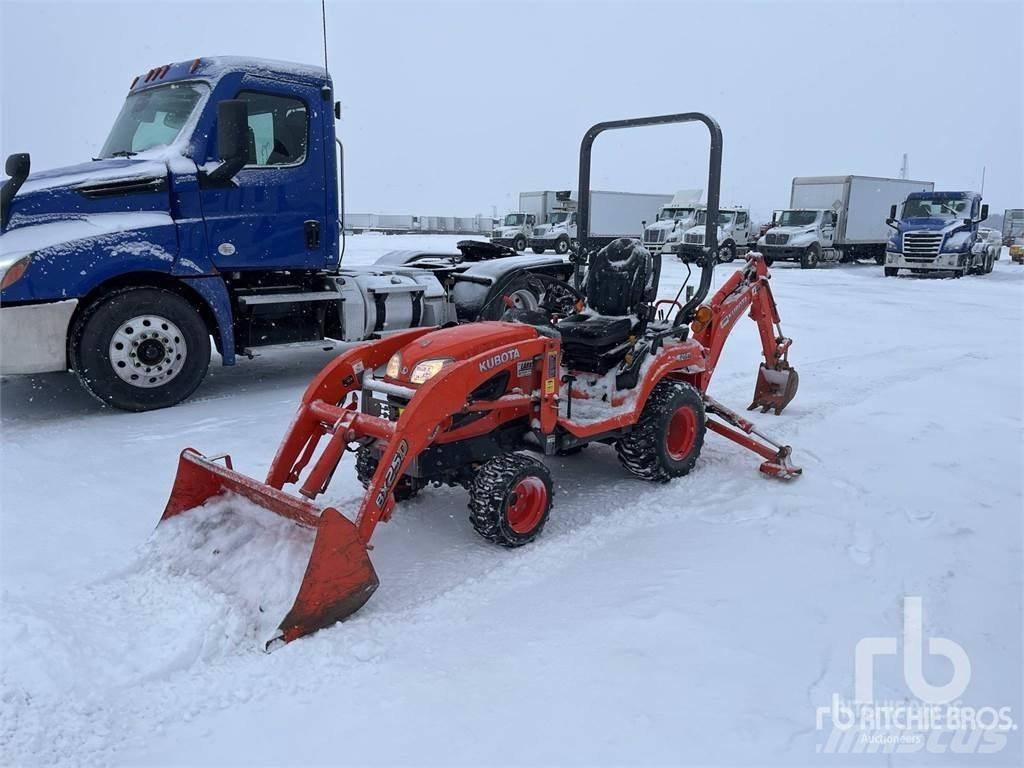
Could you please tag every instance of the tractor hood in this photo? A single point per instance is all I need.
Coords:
(460, 343)
(931, 224)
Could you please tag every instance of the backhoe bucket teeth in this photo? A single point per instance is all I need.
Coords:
(775, 388)
(339, 577)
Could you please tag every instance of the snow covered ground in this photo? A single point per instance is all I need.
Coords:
(699, 622)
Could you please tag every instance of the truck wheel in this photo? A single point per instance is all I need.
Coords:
(768, 260)
(562, 246)
(809, 258)
(510, 498)
(535, 249)
(519, 243)
(880, 259)
(139, 349)
(891, 271)
(366, 465)
(667, 440)
(726, 253)
(990, 264)
(523, 292)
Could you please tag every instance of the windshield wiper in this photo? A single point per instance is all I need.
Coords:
(123, 153)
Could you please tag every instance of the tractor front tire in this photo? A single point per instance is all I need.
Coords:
(668, 438)
(892, 271)
(510, 498)
(366, 466)
(139, 349)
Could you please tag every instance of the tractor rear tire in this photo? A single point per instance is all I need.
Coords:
(366, 466)
(667, 440)
(510, 498)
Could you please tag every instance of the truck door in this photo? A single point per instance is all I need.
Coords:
(272, 215)
(828, 229)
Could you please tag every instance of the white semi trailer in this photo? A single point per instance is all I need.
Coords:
(809, 233)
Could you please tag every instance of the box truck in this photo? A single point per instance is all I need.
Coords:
(809, 233)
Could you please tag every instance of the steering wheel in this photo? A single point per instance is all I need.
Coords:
(561, 298)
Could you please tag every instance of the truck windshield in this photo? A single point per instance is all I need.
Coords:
(152, 118)
(558, 218)
(724, 217)
(937, 208)
(675, 213)
(797, 218)
(515, 219)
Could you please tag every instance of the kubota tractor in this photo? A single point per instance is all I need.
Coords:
(601, 361)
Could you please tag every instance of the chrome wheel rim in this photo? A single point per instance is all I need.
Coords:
(147, 351)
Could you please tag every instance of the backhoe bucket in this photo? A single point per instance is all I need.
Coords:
(775, 388)
(339, 577)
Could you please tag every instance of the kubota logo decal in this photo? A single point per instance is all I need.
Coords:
(391, 476)
(496, 360)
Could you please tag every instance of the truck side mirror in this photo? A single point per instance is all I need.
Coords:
(17, 167)
(892, 212)
(232, 139)
(984, 210)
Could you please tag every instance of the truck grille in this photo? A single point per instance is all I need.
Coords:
(695, 239)
(654, 235)
(773, 238)
(922, 245)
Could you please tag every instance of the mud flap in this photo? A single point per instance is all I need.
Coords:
(775, 388)
(339, 576)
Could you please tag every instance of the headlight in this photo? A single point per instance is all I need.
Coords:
(14, 272)
(394, 366)
(427, 369)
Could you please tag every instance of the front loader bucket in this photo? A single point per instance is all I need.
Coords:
(338, 578)
(775, 388)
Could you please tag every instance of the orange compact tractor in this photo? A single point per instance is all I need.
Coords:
(600, 361)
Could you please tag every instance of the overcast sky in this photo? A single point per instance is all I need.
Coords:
(450, 108)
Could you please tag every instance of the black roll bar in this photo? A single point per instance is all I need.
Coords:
(714, 187)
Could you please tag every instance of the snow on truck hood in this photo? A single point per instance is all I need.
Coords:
(22, 241)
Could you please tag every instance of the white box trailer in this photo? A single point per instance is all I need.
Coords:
(545, 202)
(862, 204)
(622, 214)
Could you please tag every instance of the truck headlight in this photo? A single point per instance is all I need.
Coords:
(14, 272)
(394, 366)
(428, 369)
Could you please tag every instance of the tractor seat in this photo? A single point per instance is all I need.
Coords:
(622, 276)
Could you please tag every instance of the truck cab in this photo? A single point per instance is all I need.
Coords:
(211, 210)
(515, 230)
(668, 228)
(804, 235)
(557, 235)
(938, 232)
(735, 232)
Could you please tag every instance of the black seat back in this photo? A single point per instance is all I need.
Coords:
(622, 276)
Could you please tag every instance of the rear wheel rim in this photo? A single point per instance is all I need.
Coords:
(682, 433)
(562, 246)
(147, 351)
(526, 504)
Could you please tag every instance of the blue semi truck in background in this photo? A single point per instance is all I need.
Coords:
(213, 210)
(939, 231)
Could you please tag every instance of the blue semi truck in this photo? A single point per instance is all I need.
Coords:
(213, 211)
(938, 232)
